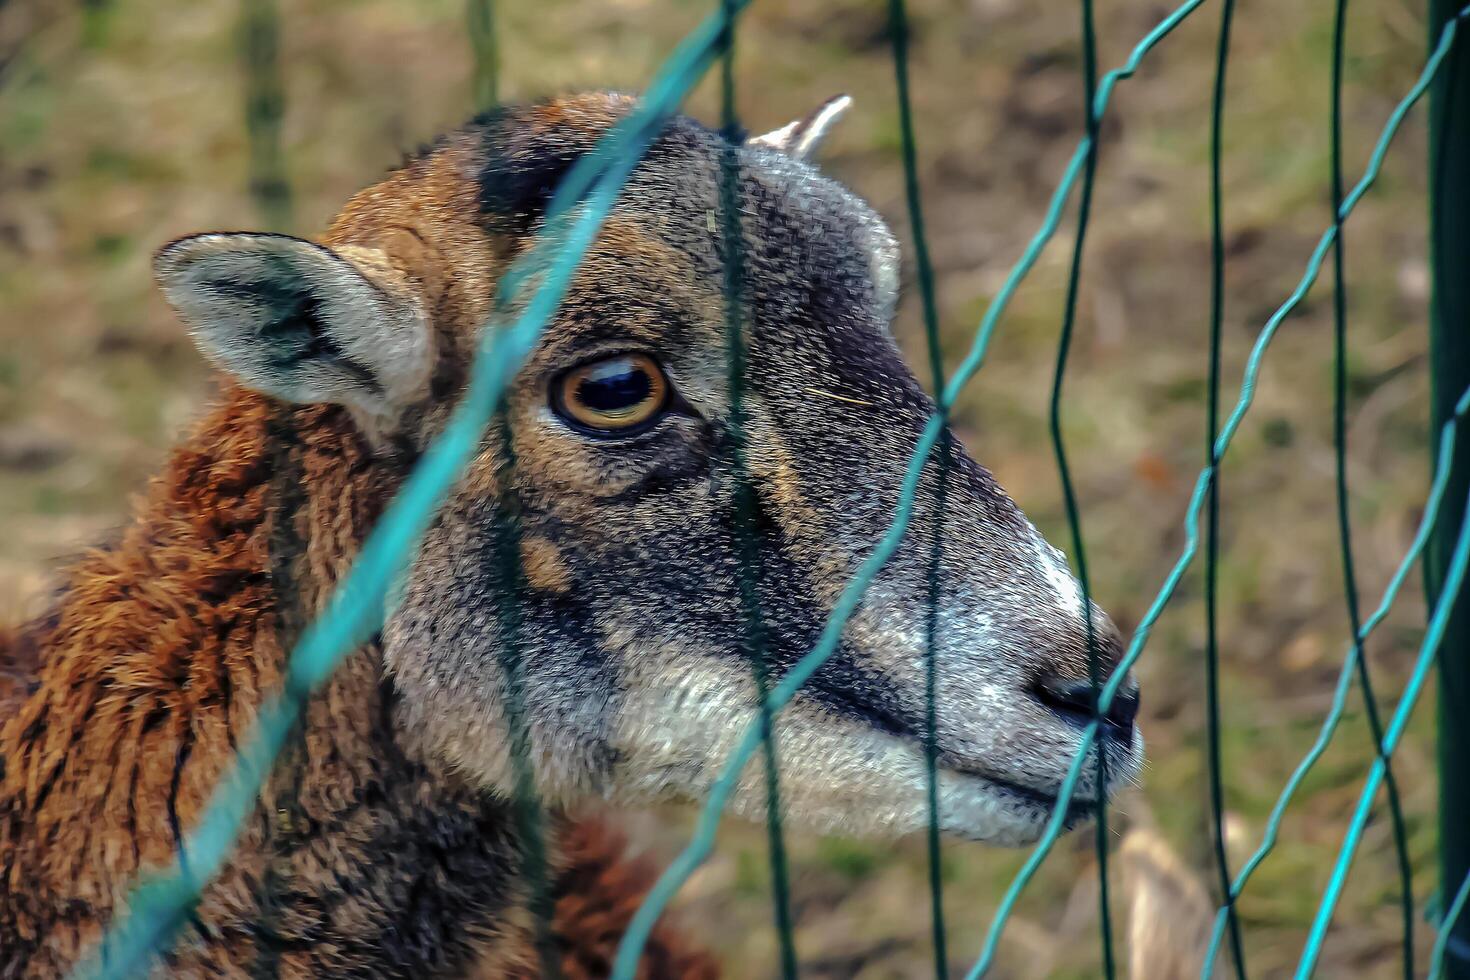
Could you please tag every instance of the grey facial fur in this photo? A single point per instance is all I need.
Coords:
(637, 670)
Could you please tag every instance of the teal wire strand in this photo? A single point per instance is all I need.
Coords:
(702, 840)
(1344, 521)
(1432, 506)
(1212, 536)
(747, 550)
(898, 23)
(160, 903)
(1433, 637)
(1446, 931)
(1064, 472)
(1323, 918)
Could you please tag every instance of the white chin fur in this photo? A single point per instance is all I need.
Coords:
(837, 776)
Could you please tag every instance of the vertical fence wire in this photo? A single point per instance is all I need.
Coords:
(1440, 624)
(96, 18)
(898, 29)
(258, 39)
(1449, 350)
(485, 48)
(286, 824)
(747, 547)
(1212, 529)
(527, 814)
(265, 103)
(525, 804)
(1064, 473)
(1344, 521)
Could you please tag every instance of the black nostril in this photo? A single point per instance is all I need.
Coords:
(1071, 698)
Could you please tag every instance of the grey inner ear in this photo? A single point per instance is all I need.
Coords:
(299, 321)
(291, 323)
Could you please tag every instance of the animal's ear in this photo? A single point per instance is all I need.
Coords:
(801, 138)
(300, 321)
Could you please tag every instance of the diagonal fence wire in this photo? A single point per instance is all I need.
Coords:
(583, 199)
(1447, 930)
(1432, 505)
(1434, 636)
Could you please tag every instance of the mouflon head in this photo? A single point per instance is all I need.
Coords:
(594, 536)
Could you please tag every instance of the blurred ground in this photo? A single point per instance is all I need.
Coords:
(120, 127)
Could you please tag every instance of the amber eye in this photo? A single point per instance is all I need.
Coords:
(617, 395)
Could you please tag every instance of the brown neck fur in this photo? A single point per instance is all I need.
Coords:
(363, 858)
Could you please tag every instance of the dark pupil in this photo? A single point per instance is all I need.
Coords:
(615, 388)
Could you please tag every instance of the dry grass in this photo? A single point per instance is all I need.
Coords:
(120, 127)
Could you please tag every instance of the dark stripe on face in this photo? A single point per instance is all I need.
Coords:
(846, 688)
(842, 685)
(294, 327)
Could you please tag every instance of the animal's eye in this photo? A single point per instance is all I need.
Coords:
(616, 396)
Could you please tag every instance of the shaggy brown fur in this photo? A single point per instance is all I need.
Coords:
(150, 673)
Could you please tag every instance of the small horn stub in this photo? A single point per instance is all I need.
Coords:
(801, 138)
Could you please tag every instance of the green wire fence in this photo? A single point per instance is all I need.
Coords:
(748, 572)
(1449, 351)
(1212, 536)
(538, 280)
